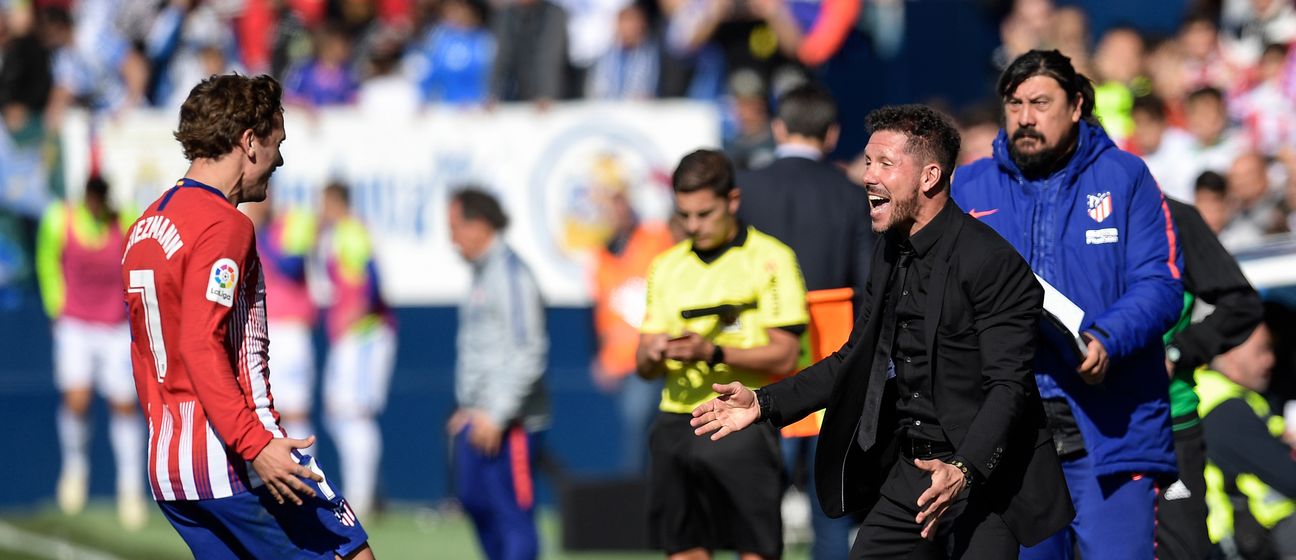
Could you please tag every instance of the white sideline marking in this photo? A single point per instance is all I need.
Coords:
(41, 546)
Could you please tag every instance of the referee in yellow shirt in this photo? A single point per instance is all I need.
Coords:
(727, 304)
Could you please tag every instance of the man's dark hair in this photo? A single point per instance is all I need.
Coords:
(477, 204)
(55, 15)
(220, 108)
(931, 135)
(96, 186)
(1055, 65)
(808, 110)
(704, 169)
(1211, 182)
(1150, 104)
(339, 191)
(1207, 92)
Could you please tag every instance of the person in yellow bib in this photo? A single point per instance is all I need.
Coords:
(1251, 467)
(78, 265)
(726, 304)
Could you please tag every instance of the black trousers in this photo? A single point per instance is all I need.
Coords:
(1181, 508)
(967, 530)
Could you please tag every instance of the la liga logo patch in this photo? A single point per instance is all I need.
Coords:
(223, 276)
(221, 283)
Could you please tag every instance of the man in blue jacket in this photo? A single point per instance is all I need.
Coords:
(1091, 222)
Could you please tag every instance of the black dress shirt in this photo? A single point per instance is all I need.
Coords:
(914, 408)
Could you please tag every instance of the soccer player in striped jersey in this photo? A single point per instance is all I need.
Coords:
(221, 468)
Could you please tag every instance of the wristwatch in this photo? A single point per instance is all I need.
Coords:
(763, 401)
(717, 355)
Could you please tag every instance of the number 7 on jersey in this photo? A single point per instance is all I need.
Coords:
(141, 282)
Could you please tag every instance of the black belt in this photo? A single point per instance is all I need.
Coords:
(918, 448)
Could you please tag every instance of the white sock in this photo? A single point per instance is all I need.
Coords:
(126, 431)
(74, 435)
(359, 450)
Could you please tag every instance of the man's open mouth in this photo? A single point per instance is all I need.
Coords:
(878, 201)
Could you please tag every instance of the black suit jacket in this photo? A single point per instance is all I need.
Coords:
(983, 306)
(813, 208)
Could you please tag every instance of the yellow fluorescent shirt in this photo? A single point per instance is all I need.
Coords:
(758, 273)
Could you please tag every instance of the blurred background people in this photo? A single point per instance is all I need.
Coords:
(530, 38)
(362, 347)
(326, 78)
(285, 241)
(452, 62)
(78, 261)
(501, 403)
(620, 288)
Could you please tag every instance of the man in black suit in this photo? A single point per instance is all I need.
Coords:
(806, 203)
(813, 208)
(934, 426)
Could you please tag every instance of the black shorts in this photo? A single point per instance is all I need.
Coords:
(717, 495)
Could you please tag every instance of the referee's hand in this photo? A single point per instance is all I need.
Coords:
(732, 411)
(281, 474)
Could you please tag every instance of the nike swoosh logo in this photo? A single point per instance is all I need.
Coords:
(978, 215)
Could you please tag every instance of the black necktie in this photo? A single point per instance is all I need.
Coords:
(867, 434)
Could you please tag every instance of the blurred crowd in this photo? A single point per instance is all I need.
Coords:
(1217, 96)
(112, 55)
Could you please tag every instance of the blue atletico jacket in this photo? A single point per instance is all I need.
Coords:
(1100, 232)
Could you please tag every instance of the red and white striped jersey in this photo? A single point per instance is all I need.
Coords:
(196, 299)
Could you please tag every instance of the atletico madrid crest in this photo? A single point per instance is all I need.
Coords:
(1100, 206)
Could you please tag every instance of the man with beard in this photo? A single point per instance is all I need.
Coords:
(934, 429)
(1092, 223)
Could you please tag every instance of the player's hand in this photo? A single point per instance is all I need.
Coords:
(947, 483)
(690, 347)
(1093, 370)
(461, 417)
(730, 412)
(485, 435)
(281, 474)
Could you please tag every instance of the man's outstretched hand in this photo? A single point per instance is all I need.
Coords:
(282, 474)
(732, 411)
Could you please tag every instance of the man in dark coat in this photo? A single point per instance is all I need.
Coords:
(934, 426)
